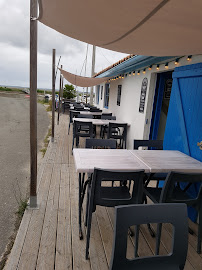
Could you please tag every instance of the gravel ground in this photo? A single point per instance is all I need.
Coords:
(15, 156)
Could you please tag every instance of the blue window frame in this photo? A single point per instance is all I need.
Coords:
(101, 92)
(106, 103)
(119, 95)
(98, 94)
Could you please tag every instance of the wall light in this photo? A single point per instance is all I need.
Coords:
(138, 73)
(133, 73)
(157, 67)
(150, 67)
(177, 61)
(129, 73)
(189, 57)
(144, 71)
(166, 65)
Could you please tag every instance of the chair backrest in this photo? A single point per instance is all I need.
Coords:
(73, 114)
(177, 187)
(107, 114)
(79, 109)
(101, 143)
(95, 110)
(104, 175)
(154, 144)
(77, 129)
(127, 216)
(108, 117)
(116, 136)
(85, 116)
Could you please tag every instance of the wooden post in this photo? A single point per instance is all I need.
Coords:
(33, 103)
(92, 74)
(53, 96)
(60, 90)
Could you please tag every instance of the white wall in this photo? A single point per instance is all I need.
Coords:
(130, 98)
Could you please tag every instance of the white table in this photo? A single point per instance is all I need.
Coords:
(163, 161)
(151, 161)
(89, 113)
(112, 159)
(99, 122)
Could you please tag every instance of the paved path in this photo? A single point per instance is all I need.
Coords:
(14, 156)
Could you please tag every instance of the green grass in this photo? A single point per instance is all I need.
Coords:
(21, 208)
(43, 101)
(6, 89)
(43, 151)
(46, 142)
(49, 108)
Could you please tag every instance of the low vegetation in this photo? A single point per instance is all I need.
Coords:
(7, 89)
(49, 108)
(46, 142)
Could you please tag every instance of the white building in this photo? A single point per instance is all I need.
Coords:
(132, 95)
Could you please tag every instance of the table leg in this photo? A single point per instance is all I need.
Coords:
(80, 194)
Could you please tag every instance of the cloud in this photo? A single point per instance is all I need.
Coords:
(14, 49)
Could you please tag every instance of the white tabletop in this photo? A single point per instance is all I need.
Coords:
(168, 160)
(89, 113)
(149, 160)
(112, 159)
(99, 122)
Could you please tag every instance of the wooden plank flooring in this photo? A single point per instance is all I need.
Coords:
(48, 237)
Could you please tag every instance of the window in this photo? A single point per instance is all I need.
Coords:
(101, 92)
(98, 94)
(119, 95)
(106, 104)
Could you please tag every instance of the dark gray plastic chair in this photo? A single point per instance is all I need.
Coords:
(154, 145)
(112, 196)
(151, 144)
(104, 128)
(101, 143)
(173, 192)
(81, 129)
(114, 132)
(127, 216)
(82, 115)
(72, 114)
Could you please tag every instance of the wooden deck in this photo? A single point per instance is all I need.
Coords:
(48, 237)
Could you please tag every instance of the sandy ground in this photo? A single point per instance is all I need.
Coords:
(15, 156)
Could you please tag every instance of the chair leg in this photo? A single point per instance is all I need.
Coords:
(69, 128)
(158, 238)
(90, 212)
(137, 230)
(87, 205)
(72, 144)
(199, 234)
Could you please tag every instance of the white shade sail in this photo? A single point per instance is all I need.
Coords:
(82, 81)
(143, 27)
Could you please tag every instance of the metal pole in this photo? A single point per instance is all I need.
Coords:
(60, 90)
(33, 103)
(53, 96)
(92, 73)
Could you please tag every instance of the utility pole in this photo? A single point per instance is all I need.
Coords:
(60, 90)
(53, 96)
(92, 74)
(33, 103)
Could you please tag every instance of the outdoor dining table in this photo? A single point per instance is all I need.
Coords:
(151, 161)
(99, 122)
(89, 113)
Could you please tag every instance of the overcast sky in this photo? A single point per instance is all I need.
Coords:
(14, 49)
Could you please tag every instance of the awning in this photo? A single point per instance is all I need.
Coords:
(143, 27)
(82, 81)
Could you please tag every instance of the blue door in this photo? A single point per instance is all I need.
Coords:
(183, 130)
(184, 121)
